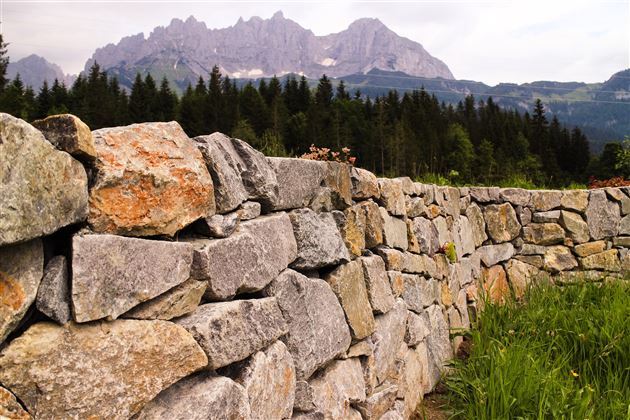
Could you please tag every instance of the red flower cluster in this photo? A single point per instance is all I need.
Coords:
(617, 181)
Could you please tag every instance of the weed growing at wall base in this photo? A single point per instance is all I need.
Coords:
(564, 354)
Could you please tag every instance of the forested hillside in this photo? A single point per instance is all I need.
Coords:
(414, 135)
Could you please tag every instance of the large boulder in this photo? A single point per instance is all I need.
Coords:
(603, 216)
(21, 271)
(337, 387)
(373, 224)
(229, 191)
(364, 184)
(109, 277)
(68, 133)
(494, 254)
(238, 172)
(269, 379)
(515, 196)
(259, 178)
(378, 287)
(477, 224)
(392, 197)
(231, 331)
(150, 179)
(520, 275)
(427, 235)
(543, 200)
(394, 231)
(559, 258)
(438, 341)
(309, 307)
(419, 292)
(42, 188)
(93, 370)
(246, 261)
(199, 397)
(352, 228)
(299, 180)
(348, 284)
(575, 226)
(495, 284)
(543, 233)
(319, 242)
(574, 200)
(387, 338)
(53, 295)
(606, 261)
(502, 223)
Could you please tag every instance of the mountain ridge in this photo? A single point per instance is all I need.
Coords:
(184, 50)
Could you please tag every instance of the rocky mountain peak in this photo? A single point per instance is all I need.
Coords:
(258, 47)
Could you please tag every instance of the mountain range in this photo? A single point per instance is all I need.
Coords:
(367, 56)
(33, 70)
(185, 50)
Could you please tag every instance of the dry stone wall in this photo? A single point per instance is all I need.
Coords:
(149, 275)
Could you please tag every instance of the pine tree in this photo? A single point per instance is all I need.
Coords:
(167, 102)
(214, 103)
(4, 63)
(44, 101)
(138, 101)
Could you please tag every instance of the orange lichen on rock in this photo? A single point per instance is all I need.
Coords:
(150, 180)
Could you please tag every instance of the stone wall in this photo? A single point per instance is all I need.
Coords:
(147, 274)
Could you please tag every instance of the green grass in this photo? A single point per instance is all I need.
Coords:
(564, 354)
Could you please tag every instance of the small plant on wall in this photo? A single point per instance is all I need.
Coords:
(328, 155)
(448, 249)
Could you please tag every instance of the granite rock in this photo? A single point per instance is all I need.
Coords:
(21, 271)
(68, 133)
(93, 370)
(150, 179)
(319, 242)
(42, 189)
(301, 300)
(53, 295)
(112, 274)
(246, 261)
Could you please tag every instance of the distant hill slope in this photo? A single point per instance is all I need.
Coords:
(33, 70)
(602, 110)
(185, 50)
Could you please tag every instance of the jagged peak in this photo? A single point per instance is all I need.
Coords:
(367, 22)
(278, 15)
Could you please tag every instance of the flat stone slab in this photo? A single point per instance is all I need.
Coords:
(112, 274)
(319, 242)
(299, 180)
(178, 301)
(53, 295)
(309, 307)
(150, 179)
(269, 379)
(92, 371)
(602, 215)
(338, 386)
(231, 331)
(21, 271)
(42, 189)
(349, 285)
(388, 337)
(199, 397)
(247, 260)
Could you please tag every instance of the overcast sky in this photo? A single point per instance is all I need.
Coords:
(489, 41)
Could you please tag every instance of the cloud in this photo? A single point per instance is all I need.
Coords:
(490, 41)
